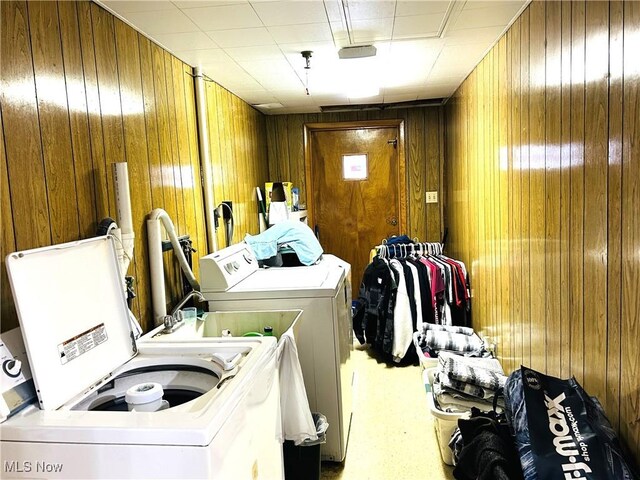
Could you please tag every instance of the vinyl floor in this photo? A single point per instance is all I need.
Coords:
(392, 433)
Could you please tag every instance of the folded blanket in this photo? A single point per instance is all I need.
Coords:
(450, 396)
(460, 371)
(488, 363)
(448, 403)
(463, 387)
(457, 342)
(447, 328)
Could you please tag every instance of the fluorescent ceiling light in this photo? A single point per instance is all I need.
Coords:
(357, 52)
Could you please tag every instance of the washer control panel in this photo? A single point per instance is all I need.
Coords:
(16, 385)
(225, 268)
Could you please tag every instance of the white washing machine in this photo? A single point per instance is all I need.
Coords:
(231, 280)
(221, 416)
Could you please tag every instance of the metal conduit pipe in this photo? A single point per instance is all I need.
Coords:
(205, 158)
(158, 293)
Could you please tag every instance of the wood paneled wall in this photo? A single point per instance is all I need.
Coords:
(424, 153)
(82, 90)
(543, 174)
(238, 143)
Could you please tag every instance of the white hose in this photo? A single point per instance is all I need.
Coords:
(156, 268)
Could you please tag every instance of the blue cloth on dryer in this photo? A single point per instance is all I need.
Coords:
(295, 234)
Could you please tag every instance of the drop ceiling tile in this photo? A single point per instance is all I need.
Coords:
(224, 17)
(500, 15)
(412, 50)
(334, 10)
(205, 3)
(379, 29)
(403, 90)
(279, 81)
(290, 13)
(443, 70)
(437, 92)
(255, 96)
(301, 100)
(367, 10)
(394, 78)
(367, 100)
(462, 54)
(443, 79)
(231, 76)
(261, 53)
(242, 37)
(485, 35)
(261, 68)
(494, 4)
(420, 7)
(201, 57)
(139, 6)
(329, 99)
(165, 21)
(407, 97)
(417, 26)
(340, 34)
(313, 32)
(274, 75)
(185, 41)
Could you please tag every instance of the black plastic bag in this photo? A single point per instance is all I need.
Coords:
(561, 432)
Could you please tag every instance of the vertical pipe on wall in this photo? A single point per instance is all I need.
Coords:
(156, 270)
(205, 158)
(123, 209)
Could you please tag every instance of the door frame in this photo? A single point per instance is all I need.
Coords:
(309, 128)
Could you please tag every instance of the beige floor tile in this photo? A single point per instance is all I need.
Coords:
(392, 434)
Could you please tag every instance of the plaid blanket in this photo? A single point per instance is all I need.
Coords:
(488, 363)
(464, 387)
(457, 342)
(453, 401)
(447, 328)
(459, 371)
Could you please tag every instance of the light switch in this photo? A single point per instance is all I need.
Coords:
(432, 197)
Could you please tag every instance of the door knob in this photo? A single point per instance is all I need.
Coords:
(392, 221)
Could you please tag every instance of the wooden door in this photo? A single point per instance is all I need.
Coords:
(352, 215)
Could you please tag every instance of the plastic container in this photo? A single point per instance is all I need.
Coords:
(302, 462)
(444, 422)
(250, 323)
(425, 362)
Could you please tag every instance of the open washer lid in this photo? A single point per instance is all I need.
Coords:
(73, 314)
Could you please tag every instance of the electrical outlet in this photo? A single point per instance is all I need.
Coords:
(432, 197)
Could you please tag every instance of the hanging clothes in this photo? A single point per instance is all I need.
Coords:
(405, 286)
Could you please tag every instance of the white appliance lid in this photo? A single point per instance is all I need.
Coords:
(73, 314)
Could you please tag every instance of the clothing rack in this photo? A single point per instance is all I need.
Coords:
(398, 250)
(405, 285)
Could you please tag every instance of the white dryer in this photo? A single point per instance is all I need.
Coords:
(231, 280)
(222, 418)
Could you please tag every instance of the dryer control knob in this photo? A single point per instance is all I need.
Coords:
(12, 367)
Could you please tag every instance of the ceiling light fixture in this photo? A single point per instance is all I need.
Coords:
(306, 54)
